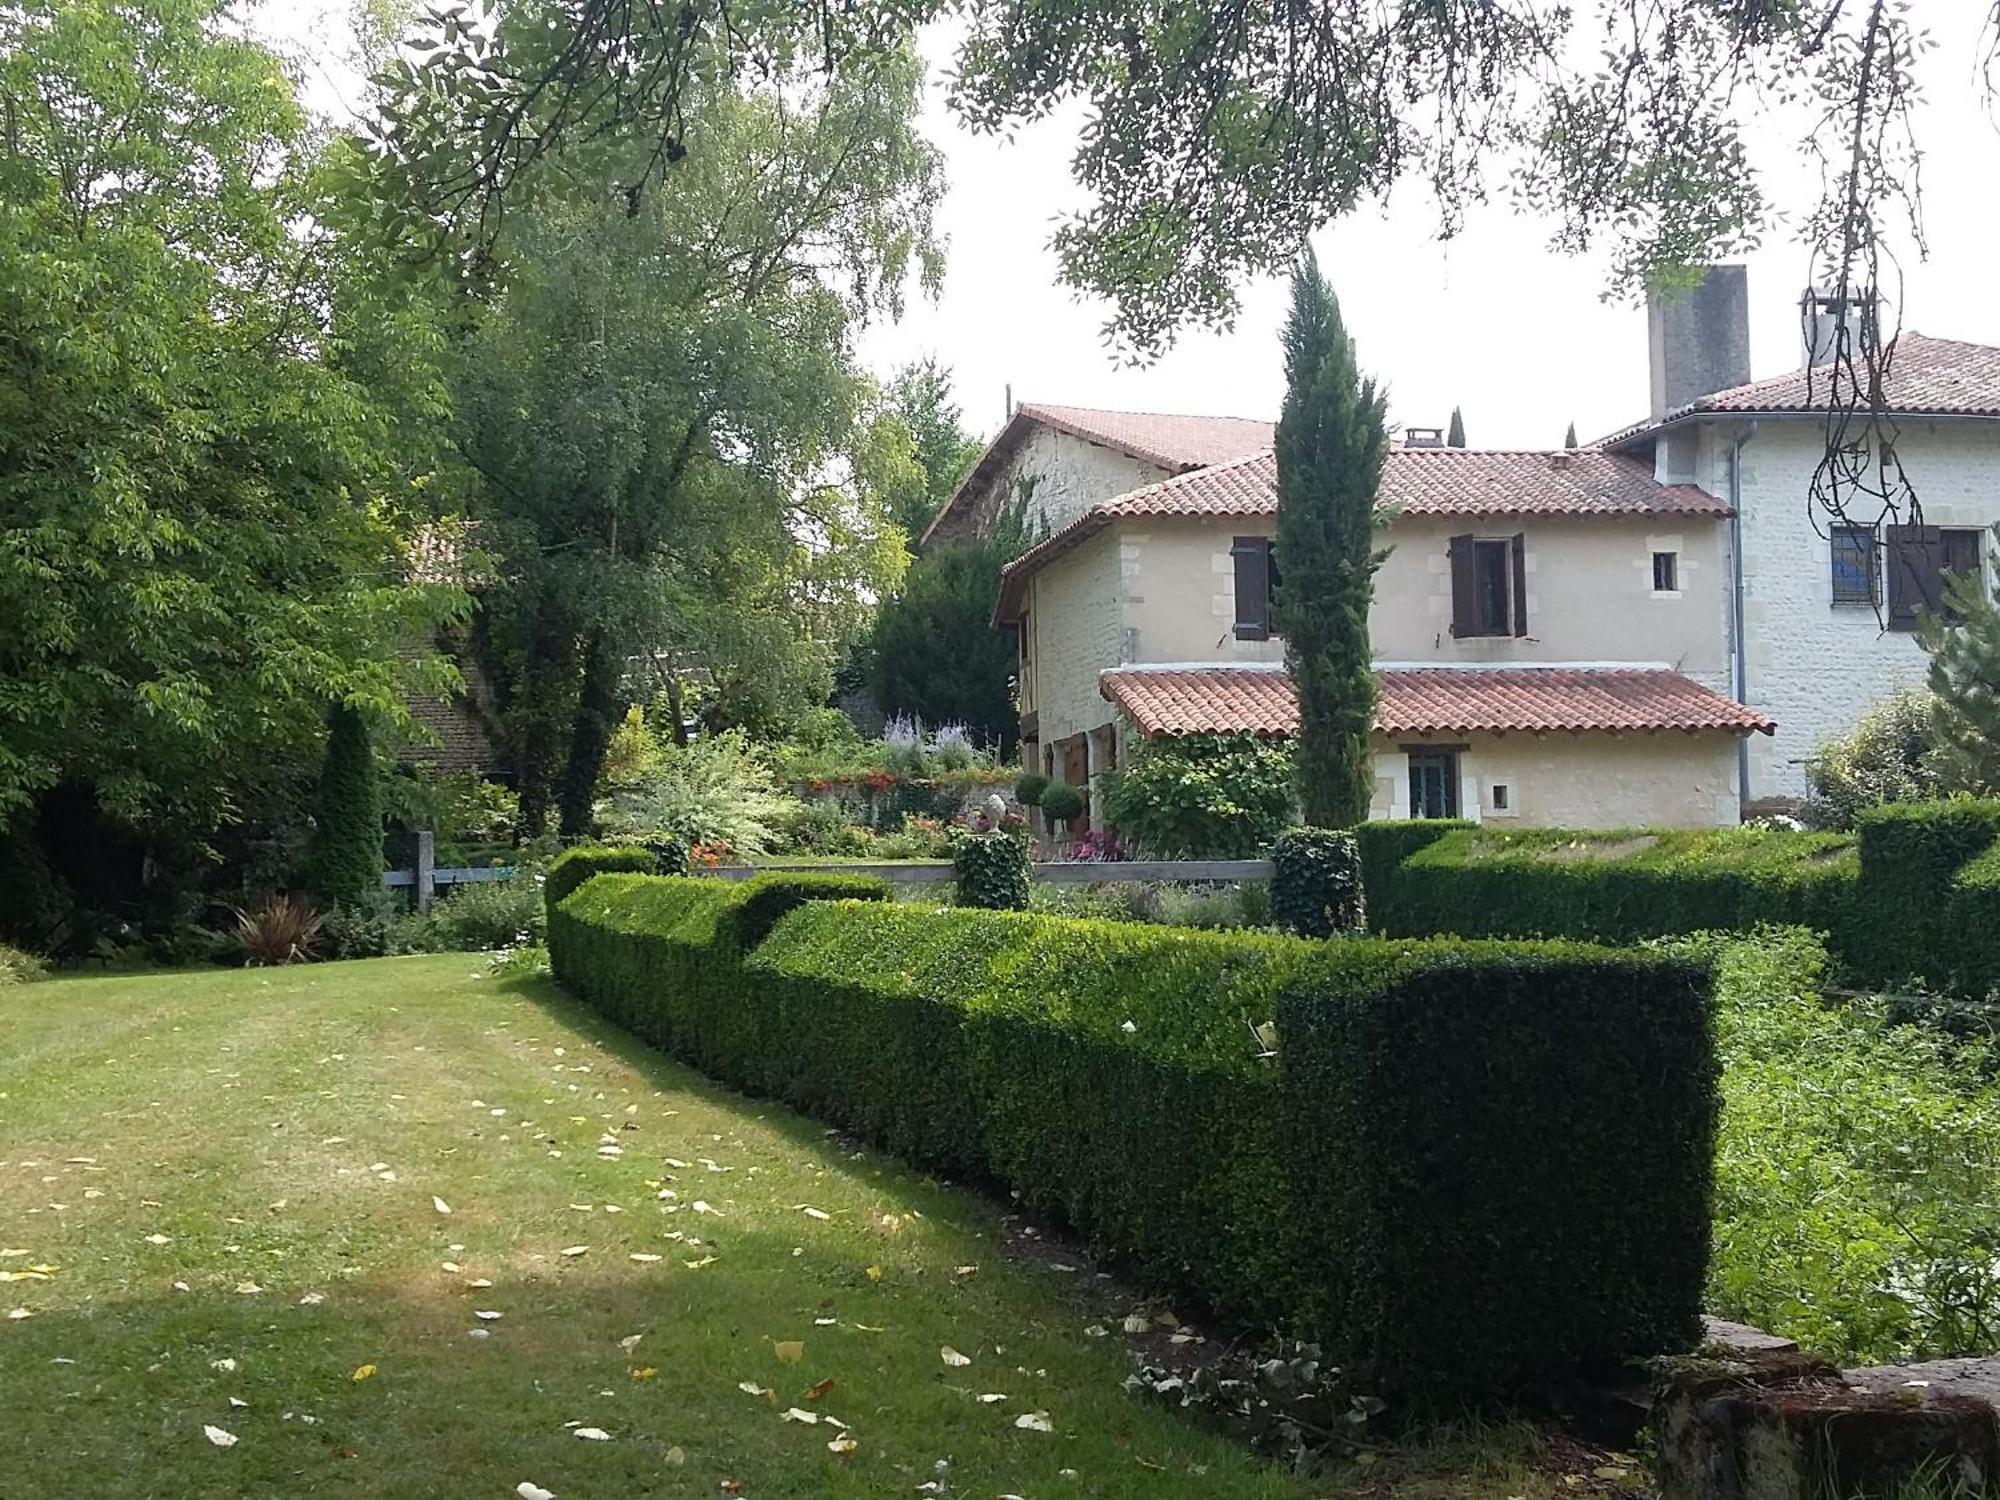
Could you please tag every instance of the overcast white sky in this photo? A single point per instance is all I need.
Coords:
(1492, 321)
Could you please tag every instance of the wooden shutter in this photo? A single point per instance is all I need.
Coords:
(1518, 547)
(1914, 557)
(1464, 590)
(1252, 555)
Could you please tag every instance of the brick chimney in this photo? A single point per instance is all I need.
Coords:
(1698, 340)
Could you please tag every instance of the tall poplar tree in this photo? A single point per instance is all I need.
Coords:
(1331, 444)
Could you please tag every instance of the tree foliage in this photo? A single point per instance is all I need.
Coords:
(1892, 755)
(933, 652)
(1220, 137)
(679, 477)
(919, 397)
(201, 500)
(1455, 438)
(1331, 445)
(1201, 796)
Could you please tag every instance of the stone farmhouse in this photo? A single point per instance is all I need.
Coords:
(1650, 630)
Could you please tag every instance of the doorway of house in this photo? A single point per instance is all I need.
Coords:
(1433, 783)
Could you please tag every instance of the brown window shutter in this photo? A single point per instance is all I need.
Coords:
(1252, 555)
(1912, 555)
(1464, 606)
(1519, 548)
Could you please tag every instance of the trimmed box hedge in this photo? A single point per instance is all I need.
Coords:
(1911, 899)
(1213, 1106)
(1611, 886)
(662, 954)
(573, 867)
(1504, 1155)
(1929, 899)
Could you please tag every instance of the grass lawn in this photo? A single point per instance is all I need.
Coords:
(394, 1227)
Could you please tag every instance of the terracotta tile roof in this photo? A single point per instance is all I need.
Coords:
(1927, 377)
(1441, 700)
(1417, 481)
(1173, 443)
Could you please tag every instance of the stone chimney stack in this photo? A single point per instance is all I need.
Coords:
(1698, 340)
(1822, 316)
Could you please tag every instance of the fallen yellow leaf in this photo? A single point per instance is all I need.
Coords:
(791, 1351)
(364, 1372)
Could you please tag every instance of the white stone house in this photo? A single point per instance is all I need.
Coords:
(1828, 614)
(1647, 631)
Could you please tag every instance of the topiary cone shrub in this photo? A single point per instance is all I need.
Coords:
(1316, 882)
(992, 871)
(1028, 789)
(344, 856)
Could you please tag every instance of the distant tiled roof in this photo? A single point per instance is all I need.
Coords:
(1927, 377)
(1465, 482)
(1442, 700)
(1173, 443)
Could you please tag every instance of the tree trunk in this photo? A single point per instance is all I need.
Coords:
(539, 705)
(598, 708)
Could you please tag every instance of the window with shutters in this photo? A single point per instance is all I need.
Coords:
(1256, 580)
(1917, 561)
(1489, 585)
(1857, 568)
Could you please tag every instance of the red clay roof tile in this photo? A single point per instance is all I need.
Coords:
(1442, 700)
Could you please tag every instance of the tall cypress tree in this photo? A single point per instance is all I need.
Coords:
(1331, 444)
(344, 857)
(1569, 438)
(1456, 437)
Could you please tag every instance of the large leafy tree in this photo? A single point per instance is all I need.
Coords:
(919, 397)
(201, 504)
(934, 652)
(668, 422)
(1331, 444)
(1221, 135)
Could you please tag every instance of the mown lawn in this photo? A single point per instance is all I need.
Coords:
(399, 1228)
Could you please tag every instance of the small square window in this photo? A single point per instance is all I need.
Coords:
(1666, 572)
(1502, 796)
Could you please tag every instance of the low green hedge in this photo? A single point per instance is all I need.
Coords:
(1505, 1153)
(1911, 900)
(1929, 907)
(1132, 1081)
(573, 867)
(661, 954)
(1612, 886)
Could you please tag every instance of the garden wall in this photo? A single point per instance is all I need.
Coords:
(882, 800)
(1467, 1166)
(1914, 897)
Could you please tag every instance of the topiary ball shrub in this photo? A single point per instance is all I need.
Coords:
(1061, 802)
(1316, 882)
(992, 871)
(1029, 788)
